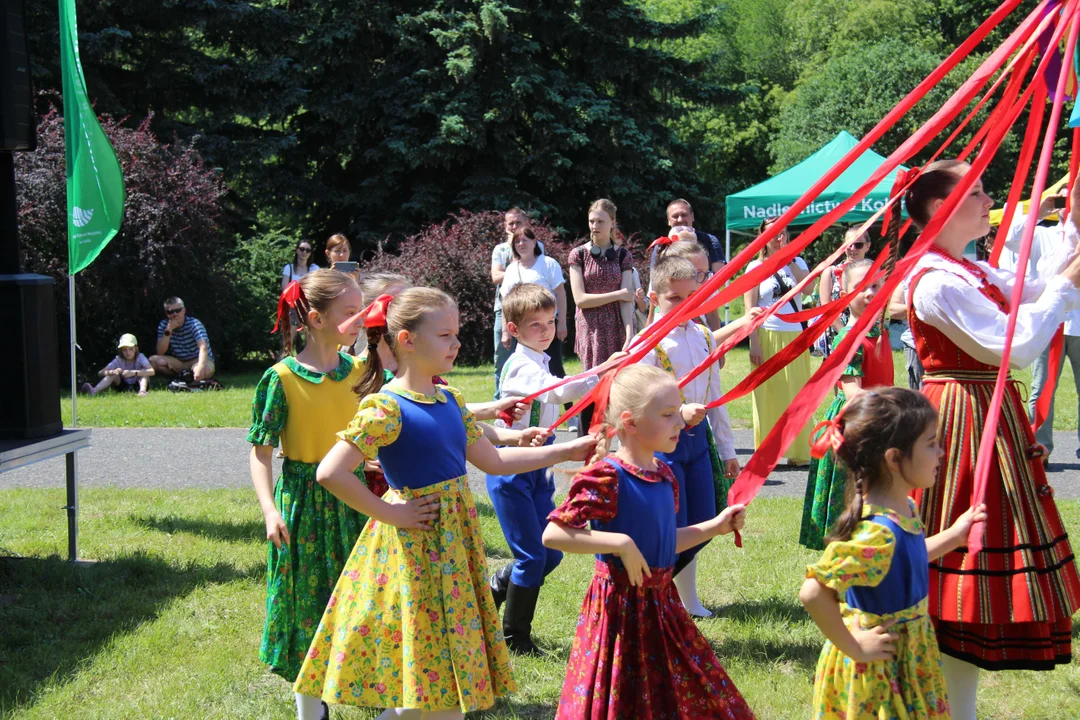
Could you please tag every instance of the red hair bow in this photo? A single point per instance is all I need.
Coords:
(374, 315)
(825, 437)
(291, 296)
(903, 179)
(663, 240)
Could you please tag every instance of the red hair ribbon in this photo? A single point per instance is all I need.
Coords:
(663, 240)
(903, 179)
(291, 296)
(374, 315)
(831, 437)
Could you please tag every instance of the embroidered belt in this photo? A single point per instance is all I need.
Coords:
(964, 376)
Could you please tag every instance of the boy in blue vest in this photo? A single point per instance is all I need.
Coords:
(522, 502)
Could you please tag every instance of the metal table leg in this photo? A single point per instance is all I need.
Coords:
(72, 507)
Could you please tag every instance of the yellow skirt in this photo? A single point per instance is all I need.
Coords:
(909, 687)
(411, 622)
(773, 396)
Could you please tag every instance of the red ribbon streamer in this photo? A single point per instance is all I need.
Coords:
(374, 315)
(291, 296)
(791, 422)
(987, 445)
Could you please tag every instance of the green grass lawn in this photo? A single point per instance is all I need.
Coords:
(167, 622)
(232, 407)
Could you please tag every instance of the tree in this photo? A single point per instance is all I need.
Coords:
(169, 243)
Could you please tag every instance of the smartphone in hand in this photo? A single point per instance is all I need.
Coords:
(346, 267)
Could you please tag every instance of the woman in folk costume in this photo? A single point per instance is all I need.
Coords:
(871, 366)
(1010, 605)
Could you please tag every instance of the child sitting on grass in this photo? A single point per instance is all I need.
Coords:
(130, 370)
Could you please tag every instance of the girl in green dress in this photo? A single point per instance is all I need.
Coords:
(302, 402)
(870, 366)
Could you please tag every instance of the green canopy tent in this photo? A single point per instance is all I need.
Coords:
(773, 197)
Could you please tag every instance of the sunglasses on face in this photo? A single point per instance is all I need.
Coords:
(857, 245)
(304, 249)
(174, 311)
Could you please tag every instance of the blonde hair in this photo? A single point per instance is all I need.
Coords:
(671, 268)
(605, 205)
(684, 248)
(375, 284)
(632, 390)
(407, 311)
(320, 289)
(525, 299)
(865, 264)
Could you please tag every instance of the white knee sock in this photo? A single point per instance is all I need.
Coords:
(686, 584)
(308, 708)
(962, 682)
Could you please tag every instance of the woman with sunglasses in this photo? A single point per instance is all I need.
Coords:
(773, 396)
(298, 268)
(831, 285)
(601, 280)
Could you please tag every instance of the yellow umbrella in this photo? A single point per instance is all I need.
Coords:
(995, 215)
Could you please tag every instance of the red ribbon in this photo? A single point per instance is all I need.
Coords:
(291, 296)
(664, 240)
(831, 438)
(374, 315)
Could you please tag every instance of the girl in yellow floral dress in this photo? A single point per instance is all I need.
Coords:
(411, 625)
(868, 593)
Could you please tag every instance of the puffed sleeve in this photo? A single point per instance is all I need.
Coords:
(861, 561)
(268, 410)
(473, 432)
(594, 495)
(377, 423)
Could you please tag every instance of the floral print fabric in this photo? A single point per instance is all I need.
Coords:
(908, 687)
(638, 654)
(411, 622)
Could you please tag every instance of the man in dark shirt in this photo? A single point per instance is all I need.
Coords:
(182, 344)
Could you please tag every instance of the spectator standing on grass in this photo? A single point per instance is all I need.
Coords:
(531, 265)
(297, 269)
(601, 278)
(182, 344)
(130, 370)
(680, 218)
(501, 256)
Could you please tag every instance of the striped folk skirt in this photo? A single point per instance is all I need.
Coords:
(1009, 606)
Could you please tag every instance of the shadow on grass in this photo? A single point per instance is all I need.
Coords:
(58, 615)
(227, 531)
(771, 610)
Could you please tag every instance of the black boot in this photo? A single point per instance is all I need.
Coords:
(517, 620)
(498, 583)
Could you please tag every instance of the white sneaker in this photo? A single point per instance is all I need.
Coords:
(572, 427)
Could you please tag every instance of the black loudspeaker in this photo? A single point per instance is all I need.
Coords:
(28, 370)
(16, 96)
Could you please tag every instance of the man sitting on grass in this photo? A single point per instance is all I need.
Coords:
(182, 344)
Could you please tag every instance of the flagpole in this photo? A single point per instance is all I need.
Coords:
(71, 331)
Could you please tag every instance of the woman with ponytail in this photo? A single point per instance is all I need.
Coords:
(637, 652)
(411, 625)
(868, 593)
(301, 402)
(1010, 605)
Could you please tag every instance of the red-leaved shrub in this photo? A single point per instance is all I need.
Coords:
(455, 256)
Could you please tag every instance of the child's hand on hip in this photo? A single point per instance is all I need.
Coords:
(415, 514)
(875, 643)
(633, 561)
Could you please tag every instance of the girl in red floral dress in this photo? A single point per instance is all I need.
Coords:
(637, 652)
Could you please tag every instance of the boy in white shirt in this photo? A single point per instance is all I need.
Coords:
(685, 347)
(522, 502)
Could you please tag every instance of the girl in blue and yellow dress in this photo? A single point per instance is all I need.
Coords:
(637, 652)
(868, 593)
(301, 403)
(411, 624)
(871, 366)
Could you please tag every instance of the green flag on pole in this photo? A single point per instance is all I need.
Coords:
(95, 184)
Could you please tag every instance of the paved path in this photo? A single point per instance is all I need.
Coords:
(176, 459)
